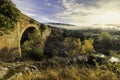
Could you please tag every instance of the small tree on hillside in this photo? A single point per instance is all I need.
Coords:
(105, 36)
(105, 42)
(72, 46)
(87, 46)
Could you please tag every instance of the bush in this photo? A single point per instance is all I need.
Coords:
(33, 47)
(9, 14)
(35, 54)
(105, 36)
(72, 46)
(87, 46)
(43, 27)
(104, 43)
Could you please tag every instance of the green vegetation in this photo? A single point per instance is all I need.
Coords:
(71, 46)
(68, 43)
(74, 46)
(105, 42)
(35, 54)
(105, 36)
(97, 46)
(105, 39)
(33, 47)
(43, 27)
(9, 15)
(87, 47)
(70, 55)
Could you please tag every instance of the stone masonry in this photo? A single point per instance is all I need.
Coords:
(11, 42)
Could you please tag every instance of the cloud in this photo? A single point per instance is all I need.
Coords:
(81, 12)
(47, 3)
(86, 12)
(38, 10)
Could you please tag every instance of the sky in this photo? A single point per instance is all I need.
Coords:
(79, 12)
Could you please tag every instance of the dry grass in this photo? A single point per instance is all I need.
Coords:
(69, 73)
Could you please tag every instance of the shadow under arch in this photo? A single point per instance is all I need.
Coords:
(25, 35)
(30, 41)
(31, 44)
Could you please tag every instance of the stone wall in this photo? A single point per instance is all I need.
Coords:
(10, 43)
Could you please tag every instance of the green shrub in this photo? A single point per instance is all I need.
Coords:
(104, 43)
(9, 15)
(43, 27)
(36, 54)
(33, 47)
(114, 67)
(72, 46)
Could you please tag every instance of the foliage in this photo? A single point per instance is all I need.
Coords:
(43, 27)
(114, 53)
(35, 54)
(33, 48)
(87, 46)
(104, 43)
(66, 43)
(96, 67)
(72, 46)
(9, 14)
(105, 36)
(105, 39)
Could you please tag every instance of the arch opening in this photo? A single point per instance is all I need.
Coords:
(31, 44)
(25, 35)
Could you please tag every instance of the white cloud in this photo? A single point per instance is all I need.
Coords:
(47, 3)
(32, 10)
(101, 12)
(81, 12)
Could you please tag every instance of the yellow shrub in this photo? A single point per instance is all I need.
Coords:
(87, 47)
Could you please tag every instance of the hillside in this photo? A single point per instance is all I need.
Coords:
(68, 55)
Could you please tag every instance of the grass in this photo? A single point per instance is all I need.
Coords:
(68, 73)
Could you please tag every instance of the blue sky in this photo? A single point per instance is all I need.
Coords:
(80, 12)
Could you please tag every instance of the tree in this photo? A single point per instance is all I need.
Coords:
(105, 36)
(105, 42)
(87, 46)
(33, 47)
(9, 14)
(72, 46)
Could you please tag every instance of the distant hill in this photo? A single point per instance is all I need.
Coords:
(94, 26)
(65, 24)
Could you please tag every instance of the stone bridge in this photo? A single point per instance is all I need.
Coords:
(10, 43)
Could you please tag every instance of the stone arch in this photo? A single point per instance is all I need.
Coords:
(24, 35)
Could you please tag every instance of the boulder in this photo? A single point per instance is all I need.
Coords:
(114, 59)
(3, 72)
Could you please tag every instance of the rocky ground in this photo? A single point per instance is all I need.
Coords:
(11, 71)
(59, 69)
